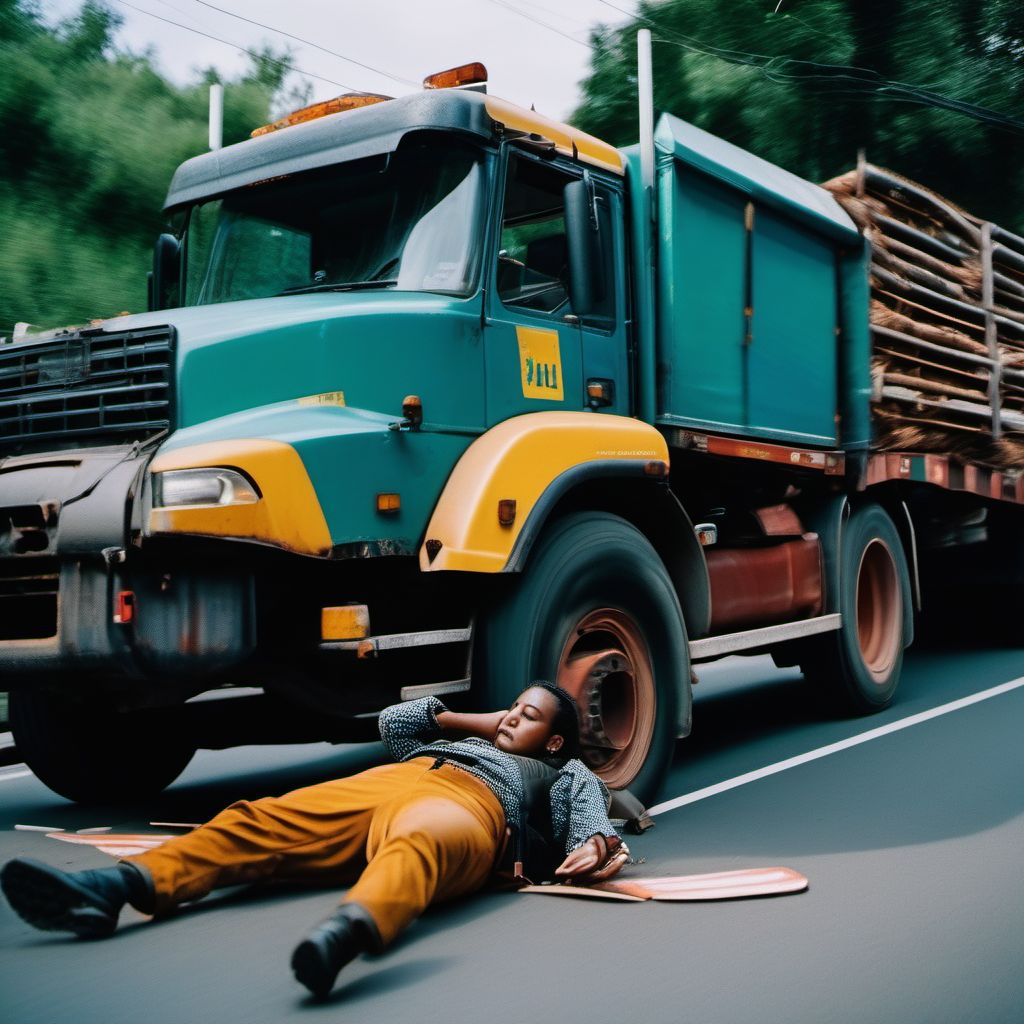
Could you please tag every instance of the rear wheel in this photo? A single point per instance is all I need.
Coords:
(859, 665)
(595, 611)
(92, 753)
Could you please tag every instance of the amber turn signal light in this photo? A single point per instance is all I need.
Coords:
(350, 101)
(456, 78)
(387, 503)
(600, 392)
(412, 410)
(507, 511)
(345, 622)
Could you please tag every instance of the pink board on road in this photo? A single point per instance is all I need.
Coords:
(719, 885)
(115, 845)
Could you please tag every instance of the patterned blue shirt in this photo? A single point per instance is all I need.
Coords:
(579, 799)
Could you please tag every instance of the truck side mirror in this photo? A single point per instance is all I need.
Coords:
(165, 286)
(583, 239)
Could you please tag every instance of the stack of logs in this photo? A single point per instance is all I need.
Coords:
(947, 321)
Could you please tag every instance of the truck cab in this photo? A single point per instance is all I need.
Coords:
(237, 487)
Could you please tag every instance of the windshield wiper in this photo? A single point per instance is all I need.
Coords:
(348, 286)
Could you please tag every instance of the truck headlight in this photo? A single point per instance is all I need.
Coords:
(215, 486)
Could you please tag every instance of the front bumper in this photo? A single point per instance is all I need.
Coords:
(67, 525)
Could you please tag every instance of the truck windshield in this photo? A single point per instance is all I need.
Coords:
(408, 220)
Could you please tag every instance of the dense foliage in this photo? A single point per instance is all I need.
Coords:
(808, 84)
(89, 138)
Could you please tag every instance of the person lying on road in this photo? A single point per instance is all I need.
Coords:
(468, 793)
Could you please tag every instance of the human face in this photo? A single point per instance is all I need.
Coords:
(526, 727)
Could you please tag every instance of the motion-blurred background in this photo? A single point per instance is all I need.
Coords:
(100, 101)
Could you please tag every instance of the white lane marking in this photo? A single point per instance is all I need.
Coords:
(834, 748)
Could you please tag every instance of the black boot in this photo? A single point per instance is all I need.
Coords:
(348, 932)
(86, 903)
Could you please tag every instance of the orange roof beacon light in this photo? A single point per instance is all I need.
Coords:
(350, 101)
(467, 76)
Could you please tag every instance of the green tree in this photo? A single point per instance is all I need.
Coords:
(806, 85)
(89, 139)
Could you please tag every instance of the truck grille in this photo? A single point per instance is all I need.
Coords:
(85, 389)
(28, 598)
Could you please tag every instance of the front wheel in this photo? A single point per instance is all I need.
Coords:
(92, 753)
(595, 611)
(859, 665)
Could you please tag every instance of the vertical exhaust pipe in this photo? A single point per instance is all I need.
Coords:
(216, 116)
(645, 98)
(644, 244)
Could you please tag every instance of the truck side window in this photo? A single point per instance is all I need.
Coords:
(533, 263)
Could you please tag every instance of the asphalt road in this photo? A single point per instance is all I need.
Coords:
(913, 843)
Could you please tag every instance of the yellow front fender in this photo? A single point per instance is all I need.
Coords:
(288, 515)
(519, 460)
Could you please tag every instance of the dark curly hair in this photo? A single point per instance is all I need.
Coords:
(566, 722)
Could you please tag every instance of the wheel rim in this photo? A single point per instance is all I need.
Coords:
(606, 666)
(879, 618)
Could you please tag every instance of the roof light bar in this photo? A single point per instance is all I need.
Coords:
(350, 101)
(466, 76)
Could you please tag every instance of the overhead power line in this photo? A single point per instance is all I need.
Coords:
(307, 42)
(543, 24)
(287, 65)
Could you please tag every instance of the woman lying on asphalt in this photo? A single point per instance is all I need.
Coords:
(469, 794)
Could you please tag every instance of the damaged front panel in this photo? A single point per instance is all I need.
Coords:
(67, 561)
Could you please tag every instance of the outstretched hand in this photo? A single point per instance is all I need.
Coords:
(598, 859)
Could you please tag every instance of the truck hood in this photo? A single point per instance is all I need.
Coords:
(366, 350)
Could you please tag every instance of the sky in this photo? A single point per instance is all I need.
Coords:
(529, 62)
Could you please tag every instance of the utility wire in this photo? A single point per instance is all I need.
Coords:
(287, 65)
(543, 24)
(307, 42)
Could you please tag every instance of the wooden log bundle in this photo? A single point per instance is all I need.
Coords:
(947, 321)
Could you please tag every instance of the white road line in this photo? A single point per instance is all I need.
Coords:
(833, 748)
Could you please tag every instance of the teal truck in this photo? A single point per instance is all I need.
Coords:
(437, 396)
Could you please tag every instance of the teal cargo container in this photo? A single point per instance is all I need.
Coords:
(437, 396)
(754, 264)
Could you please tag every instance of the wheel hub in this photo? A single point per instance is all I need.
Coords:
(878, 610)
(606, 666)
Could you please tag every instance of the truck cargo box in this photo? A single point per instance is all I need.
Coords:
(761, 298)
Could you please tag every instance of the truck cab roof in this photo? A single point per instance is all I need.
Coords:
(373, 130)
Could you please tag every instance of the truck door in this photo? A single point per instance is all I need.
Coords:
(603, 329)
(532, 343)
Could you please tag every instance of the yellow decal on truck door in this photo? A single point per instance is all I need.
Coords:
(540, 363)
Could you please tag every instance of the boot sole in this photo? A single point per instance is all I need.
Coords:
(311, 968)
(48, 899)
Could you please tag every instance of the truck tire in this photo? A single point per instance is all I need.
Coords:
(858, 666)
(595, 611)
(92, 753)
